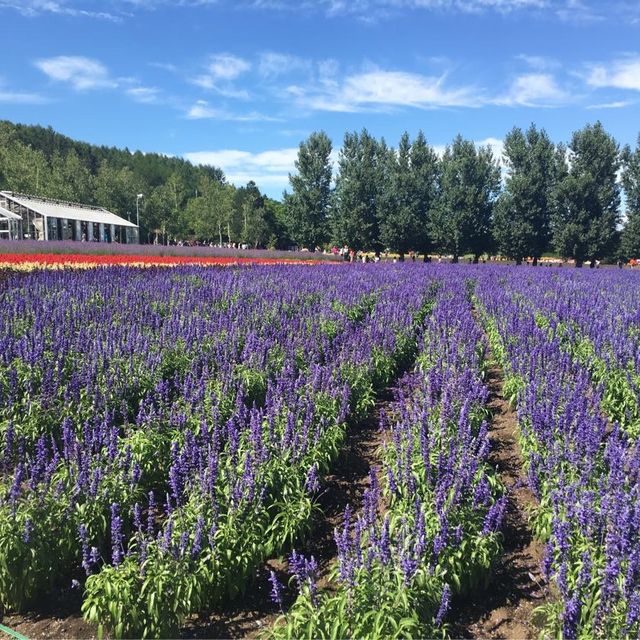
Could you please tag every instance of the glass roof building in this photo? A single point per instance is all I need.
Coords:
(28, 217)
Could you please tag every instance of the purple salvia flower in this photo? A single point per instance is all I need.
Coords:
(276, 590)
(116, 535)
(445, 602)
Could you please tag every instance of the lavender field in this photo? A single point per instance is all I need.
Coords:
(382, 450)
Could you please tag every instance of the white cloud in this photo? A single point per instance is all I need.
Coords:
(539, 63)
(267, 168)
(620, 74)
(495, 144)
(80, 72)
(201, 110)
(16, 97)
(32, 8)
(619, 104)
(145, 95)
(379, 89)
(219, 73)
(534, 90)
(377, 8)
(273, 64)
(8, 96)
(225, 66)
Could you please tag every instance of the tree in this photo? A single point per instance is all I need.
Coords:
(208, 213)
(522, 216)
(69, 179)
(360, 184)
(409, 197)
(22, 168)
(469, 184)
(588, 197)
(307, 207)
(162, 213)
(116, 190)
(252, 221)
(631, 182)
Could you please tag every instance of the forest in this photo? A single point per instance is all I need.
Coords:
(578, 200)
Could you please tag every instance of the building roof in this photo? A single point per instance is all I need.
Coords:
(5, 213)
(68, 210)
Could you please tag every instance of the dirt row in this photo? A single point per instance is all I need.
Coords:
(506, 608)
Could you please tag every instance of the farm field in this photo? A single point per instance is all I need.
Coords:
(389, 450)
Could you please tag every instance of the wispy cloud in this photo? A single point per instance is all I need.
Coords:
(538, 62)
(534, 90)
(8, 96)
(619, 104)
(623, 73)
(377, 8)
(201, 110)
(219, 73)
(583, 11)
(32, 8)
(88, 74)
(144, 95)
(80, 72)
(273, 64)
(380, 90)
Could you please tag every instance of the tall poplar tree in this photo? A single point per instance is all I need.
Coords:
(409, 197)
(469, 184)
(360, 187)
(307, 208)
(522, 216)
(588, 197)
(631, 184)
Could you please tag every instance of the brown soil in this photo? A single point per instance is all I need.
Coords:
(505, 608)
(58, 617)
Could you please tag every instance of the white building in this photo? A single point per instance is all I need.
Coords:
(28, 217)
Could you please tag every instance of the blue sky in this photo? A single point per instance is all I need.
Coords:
(238, 83)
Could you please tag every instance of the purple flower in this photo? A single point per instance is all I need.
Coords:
(445, 602)
(311, 483)
(27, 531)
(276, 590)
(116, 535)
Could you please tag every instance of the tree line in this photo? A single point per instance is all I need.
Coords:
(181, 201)
(550, 198)
(546, 198)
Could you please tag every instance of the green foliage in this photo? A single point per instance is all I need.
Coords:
(361, 182)
(588, 197)
(522, 217)
(410, 196)
(307, 208)
(469, 185)
(631, 182)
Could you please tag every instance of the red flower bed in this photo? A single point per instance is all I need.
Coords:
(78, 259)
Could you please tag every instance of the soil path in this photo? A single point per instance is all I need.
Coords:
(517, 587)
(344, 486)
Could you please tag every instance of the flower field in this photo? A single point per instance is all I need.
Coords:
(166, 433)
(30, 261)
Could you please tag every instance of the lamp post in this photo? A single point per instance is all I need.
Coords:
(140, 195)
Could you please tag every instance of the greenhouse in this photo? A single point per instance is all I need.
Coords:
(28, 217)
